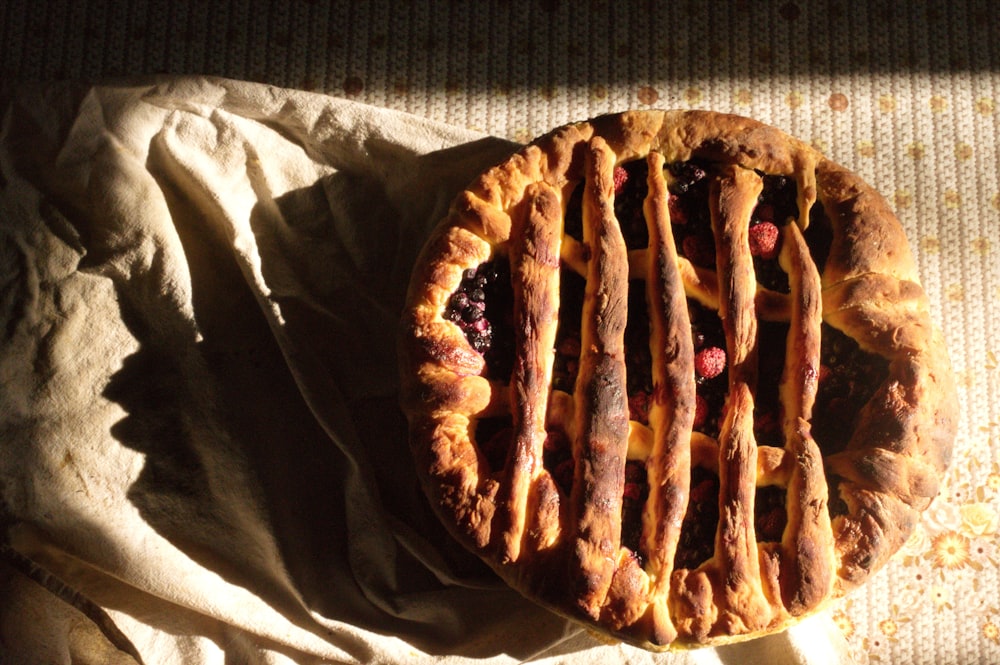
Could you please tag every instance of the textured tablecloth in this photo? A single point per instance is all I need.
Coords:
(907, 94)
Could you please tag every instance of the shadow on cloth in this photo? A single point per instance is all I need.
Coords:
(275, 451)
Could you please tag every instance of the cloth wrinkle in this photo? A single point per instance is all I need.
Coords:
(200, 281)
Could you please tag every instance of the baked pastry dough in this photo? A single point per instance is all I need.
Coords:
(672, 375)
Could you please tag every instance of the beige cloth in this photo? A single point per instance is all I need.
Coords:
(200, 447)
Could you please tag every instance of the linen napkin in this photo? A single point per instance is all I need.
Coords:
(202, 459)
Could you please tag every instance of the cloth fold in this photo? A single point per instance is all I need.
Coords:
(200, 281)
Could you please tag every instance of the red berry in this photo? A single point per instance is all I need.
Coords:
(632, 491)
(710, 362)
(764, 240)
(620, 178)
(700, 411)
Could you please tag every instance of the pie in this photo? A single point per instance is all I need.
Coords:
(672, 374)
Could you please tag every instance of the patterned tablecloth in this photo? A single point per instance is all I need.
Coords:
(907, 94)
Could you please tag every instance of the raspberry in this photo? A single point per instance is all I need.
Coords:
(764, 240)
(710, 362)
(700, 411)
(620, 178)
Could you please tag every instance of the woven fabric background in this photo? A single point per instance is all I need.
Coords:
(907, 94)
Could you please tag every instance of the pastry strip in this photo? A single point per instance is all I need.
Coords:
(671, 415)
(807, 564)
(601, 409)
(742, 605)
(534, 256)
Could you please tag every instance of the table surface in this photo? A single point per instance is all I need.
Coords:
(907, 94)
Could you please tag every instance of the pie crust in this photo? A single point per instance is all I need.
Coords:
(656, 528)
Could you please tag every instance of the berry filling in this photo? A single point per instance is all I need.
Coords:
(771, 338)
(558, 459)
(482, 306)
(836, 504)
(494, 436)
(711, 377)
(638, 357)
(776, 207)
(629, 200)
(571, 293)
(697, 541)
(819, 235)
(769, 514)
(848, 377)
(636, 492)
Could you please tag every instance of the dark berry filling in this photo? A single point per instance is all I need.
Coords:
(691, 219)
(567, 358)
(697, 542)
(776, 206)
(769, 513)
(711, 379)
(573, 217)
(494, 436)
(848, 377)
(819, 235)
(482, 306)
(630, 193)
(771, 339)
(557, 459)
(636, 492)
(638, 357)
(836, 504)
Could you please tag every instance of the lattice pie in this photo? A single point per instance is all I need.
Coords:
(672, 375)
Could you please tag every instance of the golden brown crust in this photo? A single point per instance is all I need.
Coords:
(601, 441)
(848, 509)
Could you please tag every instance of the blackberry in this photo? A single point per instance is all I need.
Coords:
(687, 176)
(482, 307)
(780, 193)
